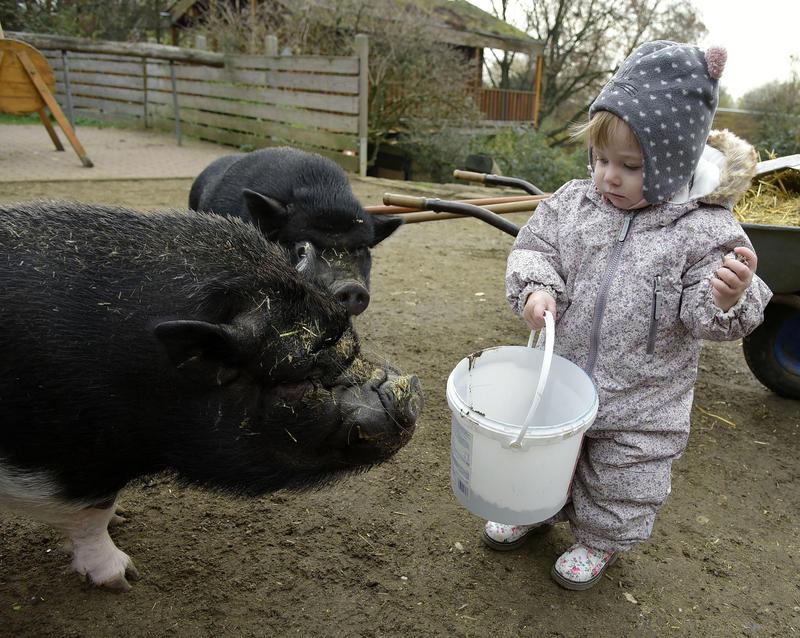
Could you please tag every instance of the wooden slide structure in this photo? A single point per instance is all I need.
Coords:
(26, 86)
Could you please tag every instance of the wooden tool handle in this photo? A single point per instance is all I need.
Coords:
(469, 176)
(408, 201)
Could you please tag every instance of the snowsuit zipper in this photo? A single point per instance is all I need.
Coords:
(605, 284)
(655, 315)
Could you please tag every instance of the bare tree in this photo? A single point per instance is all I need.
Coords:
(503, 61)
(585, 41)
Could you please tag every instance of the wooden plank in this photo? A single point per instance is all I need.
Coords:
(107, 106)
(319, 83)
(122, 81)
(112, 118)
(55, 109)
(232, 138)
(77, 55)
(314, 101)
(99, 66)
(140, 49)
(311, 137)
(51, 131)
(185, 72)
(300, 63)
(110, 93)
(327, 121)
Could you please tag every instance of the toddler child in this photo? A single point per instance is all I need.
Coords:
(638, 264)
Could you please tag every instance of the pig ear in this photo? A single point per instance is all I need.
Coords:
(205, 353)
(268, 214)
(383, 226)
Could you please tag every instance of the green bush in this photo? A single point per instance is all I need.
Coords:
(524, 153)
(518, 152)
(779, 135)
(435, 152)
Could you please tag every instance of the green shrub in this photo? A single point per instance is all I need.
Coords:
(524, 153)
(435, 152)
(518, 152)
(779, 135)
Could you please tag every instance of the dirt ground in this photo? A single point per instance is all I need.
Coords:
(390, 552)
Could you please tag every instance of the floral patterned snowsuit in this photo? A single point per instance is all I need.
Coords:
(633, 304)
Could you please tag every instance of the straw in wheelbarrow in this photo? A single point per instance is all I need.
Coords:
(773, 199)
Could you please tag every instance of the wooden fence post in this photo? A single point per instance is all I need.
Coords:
(67, 87)
(537, 90)
(175, 108)
(144, 91)
(271, 45)
(362, 51)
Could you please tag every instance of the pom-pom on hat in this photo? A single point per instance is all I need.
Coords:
(667, 93)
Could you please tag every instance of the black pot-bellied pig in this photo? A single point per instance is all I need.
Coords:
(171, 342)
(303, 201)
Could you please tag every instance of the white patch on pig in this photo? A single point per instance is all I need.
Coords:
(34, 494)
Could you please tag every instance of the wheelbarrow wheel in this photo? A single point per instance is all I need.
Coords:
(772, 350)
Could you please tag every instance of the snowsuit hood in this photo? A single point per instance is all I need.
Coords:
(739, 162)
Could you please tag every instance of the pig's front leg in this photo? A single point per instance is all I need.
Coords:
(94, 554)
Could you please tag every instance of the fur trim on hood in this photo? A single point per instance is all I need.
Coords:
(736, 172)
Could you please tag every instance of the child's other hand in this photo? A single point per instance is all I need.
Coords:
(535, 305)
(733, 278)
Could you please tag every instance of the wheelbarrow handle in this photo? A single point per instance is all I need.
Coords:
(445, 206)
(469, 176)
(406, 201)
(497, 180)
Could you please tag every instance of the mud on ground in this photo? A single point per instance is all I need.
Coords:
(389, 552)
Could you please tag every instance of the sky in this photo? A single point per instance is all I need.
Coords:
(759, 36)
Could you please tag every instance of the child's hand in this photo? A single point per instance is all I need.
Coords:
(535, 305)
(733, 278)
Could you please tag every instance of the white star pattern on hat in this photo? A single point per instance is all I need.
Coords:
(683, 74)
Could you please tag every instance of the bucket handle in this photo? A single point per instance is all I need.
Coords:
(549, 328)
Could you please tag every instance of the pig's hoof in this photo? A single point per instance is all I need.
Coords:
(106, 566)
(119, 584)
(116, 520)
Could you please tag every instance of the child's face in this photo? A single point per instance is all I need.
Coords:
(618, 172)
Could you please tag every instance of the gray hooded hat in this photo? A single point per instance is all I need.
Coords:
(667, 93)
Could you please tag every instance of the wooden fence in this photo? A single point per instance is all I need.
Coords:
(315, 103)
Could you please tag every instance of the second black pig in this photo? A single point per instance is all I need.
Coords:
(303, 201)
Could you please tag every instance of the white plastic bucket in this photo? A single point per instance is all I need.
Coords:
(513, 450)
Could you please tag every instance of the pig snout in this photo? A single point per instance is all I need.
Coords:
(380, 416)
(402, 397)
(352, 294)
